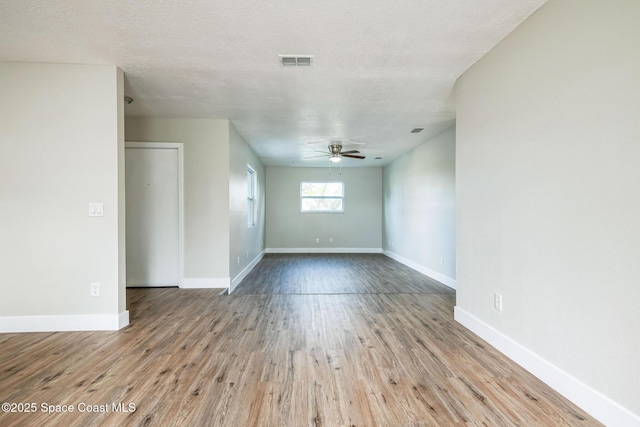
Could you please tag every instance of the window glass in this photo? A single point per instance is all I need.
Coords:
(322, 196)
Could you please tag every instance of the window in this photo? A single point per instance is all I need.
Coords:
(322, 197)
(251, 197)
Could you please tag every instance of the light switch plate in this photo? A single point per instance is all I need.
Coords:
(96, 209)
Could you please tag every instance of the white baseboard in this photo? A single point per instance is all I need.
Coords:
(64, 323)
(205, 282)
(445, 280)
(598, 405)
(236, 280)
(123, 319)
(323, 250)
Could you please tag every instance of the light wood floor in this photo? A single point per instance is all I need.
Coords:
(336, 274)
(194, 358)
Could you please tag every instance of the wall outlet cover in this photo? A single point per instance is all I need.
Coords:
(95, 289)
(96, 209)
(497, 301)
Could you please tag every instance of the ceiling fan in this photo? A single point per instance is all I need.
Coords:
(336, 154)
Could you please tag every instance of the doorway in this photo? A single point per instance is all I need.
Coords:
(153, 183)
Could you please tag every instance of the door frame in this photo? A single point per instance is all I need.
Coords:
(179, 146)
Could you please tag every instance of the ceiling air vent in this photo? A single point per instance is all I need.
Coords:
(296, 60)
(417, 130)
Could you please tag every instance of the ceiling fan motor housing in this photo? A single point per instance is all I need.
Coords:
(335, 148)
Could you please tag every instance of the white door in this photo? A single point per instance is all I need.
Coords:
(153, 213)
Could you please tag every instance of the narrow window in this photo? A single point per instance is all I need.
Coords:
(322, 197)
(251, 196)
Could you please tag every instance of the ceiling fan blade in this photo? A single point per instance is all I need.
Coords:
(353, 157)
(318, 151)
(316, 142)
(350, 152)
(314, 157)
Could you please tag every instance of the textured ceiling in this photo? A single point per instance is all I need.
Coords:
(380, 68)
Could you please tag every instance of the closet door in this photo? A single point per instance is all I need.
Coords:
(153, 215)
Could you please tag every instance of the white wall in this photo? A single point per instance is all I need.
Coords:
(246, 243)
(359, 227)
(60, 149)
(206, 191)
(548, 185)
(419, 208)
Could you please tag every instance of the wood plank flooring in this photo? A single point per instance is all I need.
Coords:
(335, 274)
(196, 358)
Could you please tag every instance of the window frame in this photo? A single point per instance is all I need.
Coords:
(325, 211)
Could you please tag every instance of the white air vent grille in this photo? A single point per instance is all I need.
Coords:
(296, 60)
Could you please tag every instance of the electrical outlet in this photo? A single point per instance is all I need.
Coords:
(238, 260)
(441, 260)
(330, 239)
(317, 240)
(96, 209)
(497, 301)
(247, 254)
(95, 289)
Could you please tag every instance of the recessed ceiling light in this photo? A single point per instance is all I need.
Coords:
(417, 130)
(296, 60)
